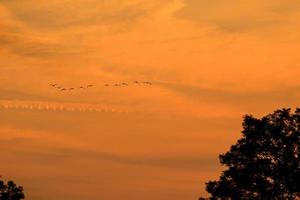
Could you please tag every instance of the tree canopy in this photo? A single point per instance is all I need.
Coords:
(11, 191)
(264, 163)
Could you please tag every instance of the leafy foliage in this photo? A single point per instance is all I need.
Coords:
(11, 191)
(264, 164)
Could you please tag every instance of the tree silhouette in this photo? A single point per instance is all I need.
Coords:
(10, 191)
(264, 164)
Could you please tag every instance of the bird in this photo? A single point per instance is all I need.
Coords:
(120, 84)
(147, 83)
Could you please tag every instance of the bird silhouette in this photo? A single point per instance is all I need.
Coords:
(120, 84)
(146, 83)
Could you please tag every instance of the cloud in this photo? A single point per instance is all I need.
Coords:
(8, 94)
(62, 28)
(241, 99)
(239, 15)
(50, 148)
(18, 39)
(32, 32)
(30, 44)
(62, 14)
(58, 106)
(68, 154)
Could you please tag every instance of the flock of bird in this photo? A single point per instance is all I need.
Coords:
(62, 88)
(83, 87)
(127, 84)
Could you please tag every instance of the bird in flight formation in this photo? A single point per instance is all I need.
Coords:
(62, 88)
(122, 84)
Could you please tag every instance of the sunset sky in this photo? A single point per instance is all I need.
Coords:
(210, 62)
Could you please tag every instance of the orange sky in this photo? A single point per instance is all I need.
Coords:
(211, 62)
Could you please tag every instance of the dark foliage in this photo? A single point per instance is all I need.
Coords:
(264, 164)
(10, 191)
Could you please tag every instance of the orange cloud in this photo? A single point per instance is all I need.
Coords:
(242, 16)
(210, 62)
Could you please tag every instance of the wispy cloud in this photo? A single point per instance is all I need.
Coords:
(59, 106)
(182, 162)
(208, 67)
(241, 16)
(56, 15)
(280, 96)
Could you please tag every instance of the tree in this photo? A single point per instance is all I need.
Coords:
(10, 191)
(264, 163)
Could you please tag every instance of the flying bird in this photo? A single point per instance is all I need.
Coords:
(147, 83)
(125, 84)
